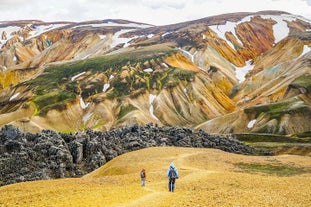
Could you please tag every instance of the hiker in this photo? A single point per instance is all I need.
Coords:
(143, 177)
(172, 174)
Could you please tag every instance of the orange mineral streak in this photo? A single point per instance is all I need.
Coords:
(178, 60)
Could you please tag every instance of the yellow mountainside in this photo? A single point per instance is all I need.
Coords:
(178, 60)
(268, 83)
(207, 177)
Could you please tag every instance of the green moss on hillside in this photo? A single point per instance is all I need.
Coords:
(253, 137)
(54, 87)
(125, 110)
(53, 100)
(275, 169)
(276, 110)
(303, 82)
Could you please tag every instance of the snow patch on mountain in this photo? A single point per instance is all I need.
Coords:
(251, 123)
(305, 50)
(150, 35)
(106, 86)
(114, 24)
(14, 96)
(188, 54)
(222, 29)
(166, 33)
(280, 29)
(76, 76)
(148, 70)
(165, 65)
(38, 30)
(119, 40)
(242, 71)
(151, 100)
(83, 104)
(102, 37)
(8, 30)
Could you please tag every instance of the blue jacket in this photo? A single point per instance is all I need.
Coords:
(175, 169)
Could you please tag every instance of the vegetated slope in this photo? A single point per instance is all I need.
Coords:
(207, 177)
(69, 76)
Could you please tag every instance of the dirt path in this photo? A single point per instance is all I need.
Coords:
(151, 199)
(159, 197)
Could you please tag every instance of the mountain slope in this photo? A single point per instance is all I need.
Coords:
(69, 76)
(206, 177)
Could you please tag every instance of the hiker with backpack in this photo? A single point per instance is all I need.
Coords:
(143, 177)
(172, 174)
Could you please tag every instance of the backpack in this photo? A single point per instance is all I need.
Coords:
(142, 174)
(172, 173)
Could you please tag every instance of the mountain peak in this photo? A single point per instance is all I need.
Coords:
(110, 73)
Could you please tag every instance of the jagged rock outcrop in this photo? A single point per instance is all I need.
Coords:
(48, 155)
(4, 36)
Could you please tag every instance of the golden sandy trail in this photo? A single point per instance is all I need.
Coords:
(147, 200)
(156, 196)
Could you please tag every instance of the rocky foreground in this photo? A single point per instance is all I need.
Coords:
(49, 155)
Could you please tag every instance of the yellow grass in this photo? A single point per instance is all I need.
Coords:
(208, 177)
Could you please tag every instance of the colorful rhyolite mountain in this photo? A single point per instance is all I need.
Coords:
(232, 73)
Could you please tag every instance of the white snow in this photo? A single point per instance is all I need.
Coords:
(280, 29)
(185, 90)
(106, 86)
(151, 100)
(14, 96)
(188, 54)
(86, 117)
(82, 104)
(166, 33)
(76, 76)
(9, 30)
(241, 72)
(204, 36)
(102, 37)
(40, 29)
(118, 40)
(14, 58)
(297, 104)
(150, 36)
(306, 49)
(165, 65)
(148, 70)
(113, 24)
(228, 27)
(251, 124)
